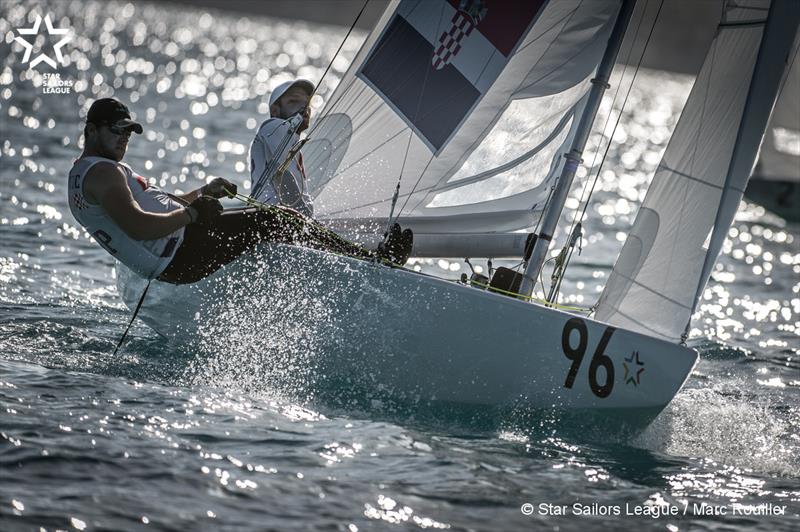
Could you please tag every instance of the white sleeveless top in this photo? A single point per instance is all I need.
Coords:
(147, 258)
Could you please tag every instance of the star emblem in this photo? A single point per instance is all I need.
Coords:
(633, 369)
(50, 31)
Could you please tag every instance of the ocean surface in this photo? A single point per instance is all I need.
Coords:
(153, 439)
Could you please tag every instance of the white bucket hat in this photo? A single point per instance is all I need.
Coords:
(281, 89)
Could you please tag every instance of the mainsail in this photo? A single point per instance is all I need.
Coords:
(682, 223)
(438, 94)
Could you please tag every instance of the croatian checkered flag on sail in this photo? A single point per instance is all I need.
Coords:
(436, 58)
(469, 14)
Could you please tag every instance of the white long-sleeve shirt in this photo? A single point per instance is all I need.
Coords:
(291, 189)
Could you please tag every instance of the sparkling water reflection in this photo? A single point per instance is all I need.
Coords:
(161, 436)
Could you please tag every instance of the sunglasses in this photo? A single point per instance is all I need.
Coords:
(118, 129)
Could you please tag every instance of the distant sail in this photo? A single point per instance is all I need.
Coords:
(438, 94)
(779, 158)
(667, 257)
(776, 178)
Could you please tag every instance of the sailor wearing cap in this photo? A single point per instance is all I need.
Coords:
(289, 115)
(180, 238)
(138, 223)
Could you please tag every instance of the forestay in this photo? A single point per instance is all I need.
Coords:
(685, 216)
(469, 104)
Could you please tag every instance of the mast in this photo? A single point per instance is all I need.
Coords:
(770, 69)
(574, 157)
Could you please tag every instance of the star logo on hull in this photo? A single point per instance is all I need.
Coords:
(633, 369)
(35, 32)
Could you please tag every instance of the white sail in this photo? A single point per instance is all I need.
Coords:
(439, 93)
(696, 189)
(775, 183)
(779, 159)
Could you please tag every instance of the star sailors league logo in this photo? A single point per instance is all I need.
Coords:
(633, 369)
(42, 57)
(469, 14)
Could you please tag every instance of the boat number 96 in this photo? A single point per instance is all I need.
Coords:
(599, 360)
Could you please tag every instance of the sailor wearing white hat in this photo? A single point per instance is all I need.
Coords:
(289, 116)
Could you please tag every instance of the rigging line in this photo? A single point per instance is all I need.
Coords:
(397, 190)
(364, 86)
(416, 113)
(624, 102)
(353, 25)
(596, 153)
(576, 218)
(387, 36)
(346, 107)
(271, 167)
(380, 95)
(135, 313)
(566, 20)
(330, 63)
(619, 117)
(564, 63)
(552, 189)
(545, 31)
(456, 184)
(513, 163)
(408, 144)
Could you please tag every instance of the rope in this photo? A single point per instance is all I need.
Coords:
(269, 170)
(135, 313)
(330, 63)
(530, 298)
(252, 202)
(255, 203)
(353, 25)
(576, 218)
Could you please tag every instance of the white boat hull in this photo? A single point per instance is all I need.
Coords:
(413, 337)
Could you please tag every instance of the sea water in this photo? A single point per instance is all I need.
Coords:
(157, 437)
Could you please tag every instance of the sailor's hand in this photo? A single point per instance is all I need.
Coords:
(204, 209)
(306, 119)
(219, 188)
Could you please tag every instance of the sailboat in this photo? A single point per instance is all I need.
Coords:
(409, 134)
(775, 183)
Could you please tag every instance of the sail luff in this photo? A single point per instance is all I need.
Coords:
(669, 250)
(573, 157)
(773, 58)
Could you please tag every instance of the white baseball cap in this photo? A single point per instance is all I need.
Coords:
(281, 89)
